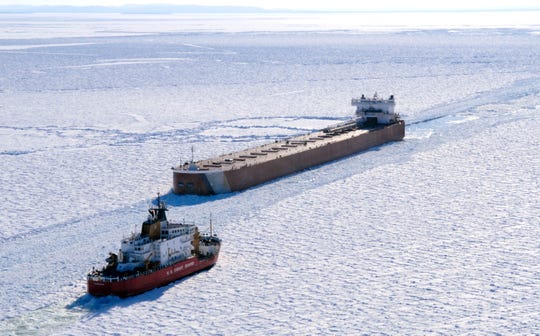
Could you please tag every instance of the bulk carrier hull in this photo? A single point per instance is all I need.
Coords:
(124, 287)
(241, 170)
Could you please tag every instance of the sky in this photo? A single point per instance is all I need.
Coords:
(308, 4)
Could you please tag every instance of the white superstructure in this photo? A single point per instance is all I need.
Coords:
(159, 242)
(375, 110)
(175, 243)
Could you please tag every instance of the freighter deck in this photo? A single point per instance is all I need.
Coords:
(271, 151)
(375, 123)
(253, 166)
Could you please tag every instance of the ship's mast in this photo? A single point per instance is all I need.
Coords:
(159, 212)
(192, 165)
(211, 227)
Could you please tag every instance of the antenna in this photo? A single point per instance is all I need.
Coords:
(211, 226)
(192, 153)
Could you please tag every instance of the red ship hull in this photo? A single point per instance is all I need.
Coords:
(124, 287)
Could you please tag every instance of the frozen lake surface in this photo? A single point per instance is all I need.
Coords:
(439, 233)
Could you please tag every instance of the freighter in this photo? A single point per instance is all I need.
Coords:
(161, 253)
(375, 123)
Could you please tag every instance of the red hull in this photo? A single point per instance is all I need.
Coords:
(144, 282)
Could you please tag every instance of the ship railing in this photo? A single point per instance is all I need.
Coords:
(105, 278)
(115, 278)
(99, 277)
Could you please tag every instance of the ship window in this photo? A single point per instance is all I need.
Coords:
(180, 185)
(189, 185)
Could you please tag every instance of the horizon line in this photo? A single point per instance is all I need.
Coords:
(214, 9)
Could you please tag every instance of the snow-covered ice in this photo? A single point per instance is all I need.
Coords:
(436, 234)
